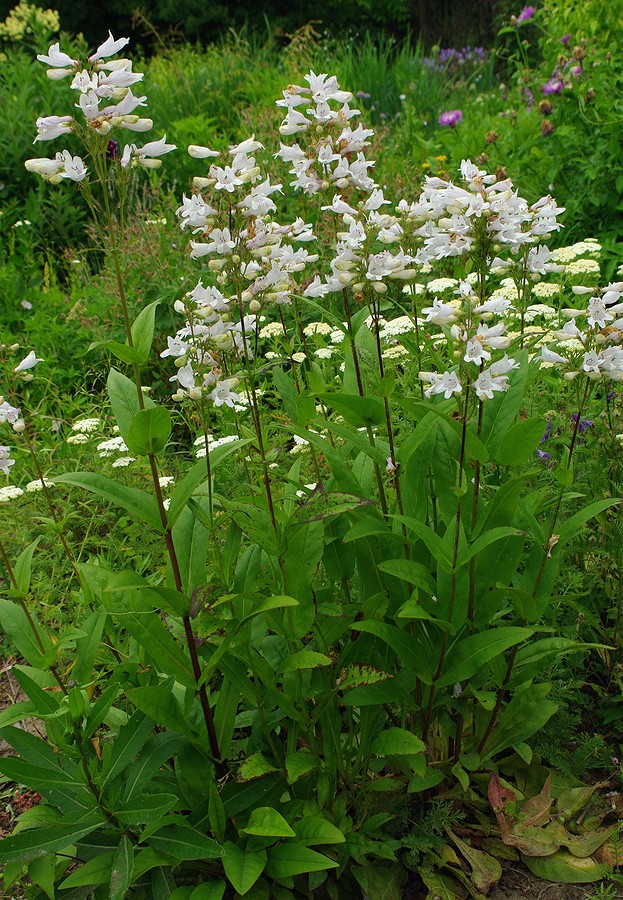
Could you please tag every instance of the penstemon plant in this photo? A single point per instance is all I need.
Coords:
(354, 573)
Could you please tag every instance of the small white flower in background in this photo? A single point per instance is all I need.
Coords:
(78, 438)
(114, 445)
(86, 426)
(5, 460)
(307, 491)
(123, 461)
(10, 492)
(28, 362)
(33, 487)
(165, 480)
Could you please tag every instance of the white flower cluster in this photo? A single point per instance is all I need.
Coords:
(592, 335)
(250, 257)
(334, 157)
(475, 341)
(451, 217)
(5, 460)
(96, 80)
(355, 265)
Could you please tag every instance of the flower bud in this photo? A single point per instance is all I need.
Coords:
(255, 306)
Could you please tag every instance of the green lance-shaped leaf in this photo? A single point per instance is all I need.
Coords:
(397, 742)
(267, 822)
(121, 872)
(95, 871)
(139, 504)
(22, 570)
(520, 442)
(123, 396)
(467, 656)
(198, 475)
(19, 631)
(184, 842)
(150, 431)
(42, 840)
(143, 331)
(286, 860)
(358, 411)
(314, 830)
(146, 627)
(131, 738)
(474, 447)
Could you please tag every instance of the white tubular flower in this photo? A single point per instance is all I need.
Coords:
(57, 59)
(446, 384)
(28, 362)
(550, 356)
(226, 178)
(293, 123)
(8, 413)
(592, 362)
(126, 106)
(497, 306)
(84, 81)
(486, 385)
(316, 289)
(50, 127)
(475, 352)
(108, 48)
(44, 167)
(133, 123)
(5, 460)
(157, 148)
(440, 313)
(73, 167)
(89, 104)
(223, 393)
(250, 145)
(198, 152)
(597, 313)
(503, 366)
(146, 156)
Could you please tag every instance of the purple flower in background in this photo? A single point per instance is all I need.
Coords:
(452, 118)
(553, 86)
(526, 13)
(584, 424)
(543, 455)
(112, 150)
(565, 38)
(546, 433)
(528, 97)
